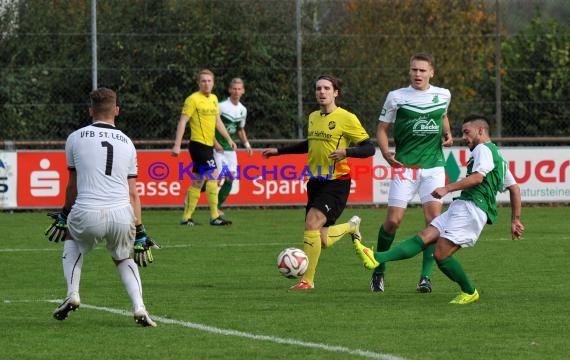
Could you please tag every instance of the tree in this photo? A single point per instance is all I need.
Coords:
(384, 34)
(535, 81)
(151, 50)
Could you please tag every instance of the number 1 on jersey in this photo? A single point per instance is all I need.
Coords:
(109, 162)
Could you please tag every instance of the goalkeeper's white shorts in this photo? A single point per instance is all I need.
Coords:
(115, 226)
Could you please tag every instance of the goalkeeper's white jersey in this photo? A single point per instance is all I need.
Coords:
(104, 158)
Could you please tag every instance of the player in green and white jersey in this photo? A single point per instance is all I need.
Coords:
(233, 114)
(461, 225)
(418, 115)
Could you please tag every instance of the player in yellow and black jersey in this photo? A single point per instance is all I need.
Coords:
(201, 113)
(331, 132)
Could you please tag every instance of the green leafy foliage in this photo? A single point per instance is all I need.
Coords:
(151, 51)
(536, 71)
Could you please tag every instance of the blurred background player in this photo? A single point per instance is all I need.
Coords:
(201, 113)
(102, 204)
(419, 116)
(233, 114)
(331, 130)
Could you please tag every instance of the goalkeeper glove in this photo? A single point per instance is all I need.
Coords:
(142, 248)
(57, 231)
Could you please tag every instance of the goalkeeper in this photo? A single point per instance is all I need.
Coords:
(102, 204)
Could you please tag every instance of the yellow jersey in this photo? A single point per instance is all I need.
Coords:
(202, 111)
(328, 132)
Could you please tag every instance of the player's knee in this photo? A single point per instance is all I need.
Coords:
(391, 225)
(438, 257)
(198, 183)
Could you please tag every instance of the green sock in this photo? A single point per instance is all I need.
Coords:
(404, 250)
(385, 240)
(454, 271)
(428, 261)
(224, 192)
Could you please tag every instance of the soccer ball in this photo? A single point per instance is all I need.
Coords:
(292, 263)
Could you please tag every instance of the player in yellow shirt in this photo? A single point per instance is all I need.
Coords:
(331, 131)
(202, 115)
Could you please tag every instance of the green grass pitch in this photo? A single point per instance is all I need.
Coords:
(216, 294)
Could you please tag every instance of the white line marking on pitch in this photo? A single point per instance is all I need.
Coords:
(213, 245)
(229, 332)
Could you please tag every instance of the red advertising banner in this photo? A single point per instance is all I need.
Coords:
(38, 179)
(163, 179)
(42, 177)
(275, 181)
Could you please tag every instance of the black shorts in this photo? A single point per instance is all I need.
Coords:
(329, 196)
(203, 159)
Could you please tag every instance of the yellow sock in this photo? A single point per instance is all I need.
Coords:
(312, 247)
(192, 197)
(212, 195)
(336, 232)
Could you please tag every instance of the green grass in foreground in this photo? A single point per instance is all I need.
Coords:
(216, 294)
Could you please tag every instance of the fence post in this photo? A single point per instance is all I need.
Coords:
(299, 44)
(498, 104)
(94, 44)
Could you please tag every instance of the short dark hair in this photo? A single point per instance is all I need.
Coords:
(103, 100)
(475, 117)
(478, 120)
(425, 57)
(336, 82)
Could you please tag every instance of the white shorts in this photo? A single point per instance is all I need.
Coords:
(462, 223)
(403, 187)
(226, 162)
(116, 226)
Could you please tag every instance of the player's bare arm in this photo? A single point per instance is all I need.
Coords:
(243, 137)
(135, 200)
(70, 190)
(222, 129)
(217, 146)
(517, 227)
(447, 138)
(179, 134)
(382, 140)
(465, 183)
